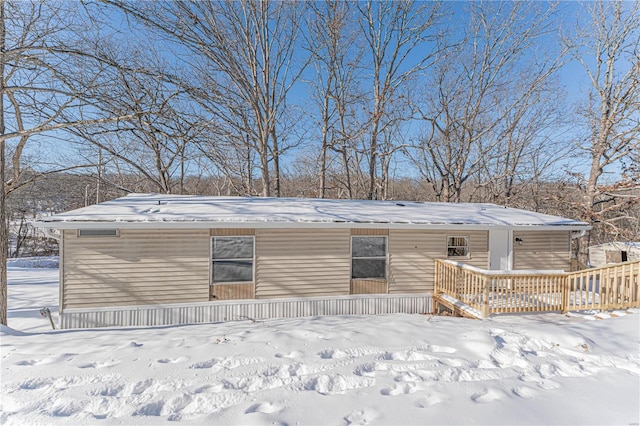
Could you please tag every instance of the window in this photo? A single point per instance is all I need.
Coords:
(232, 259)
(457, 246)
(368, 257)
(616, 256)
(98, 233)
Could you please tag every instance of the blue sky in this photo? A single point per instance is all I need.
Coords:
(572, 78)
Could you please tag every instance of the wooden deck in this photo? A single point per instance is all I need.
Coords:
(487, 292)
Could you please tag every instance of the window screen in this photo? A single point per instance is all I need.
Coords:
(457, 246)
(232, 259)
(368, 257)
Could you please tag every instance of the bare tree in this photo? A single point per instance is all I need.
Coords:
(336, 56)
(480, 91)
(4, 231)
(607, 47)
(393, 30)
(243, 62)
(157, 143)
(40, 92)
(529, 146)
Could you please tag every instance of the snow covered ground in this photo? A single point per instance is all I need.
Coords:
(388, 369)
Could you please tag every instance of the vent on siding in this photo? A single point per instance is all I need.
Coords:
(98, 233)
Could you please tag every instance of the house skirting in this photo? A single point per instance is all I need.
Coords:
(234, 310)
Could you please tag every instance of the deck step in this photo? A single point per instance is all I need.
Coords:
(456, 306)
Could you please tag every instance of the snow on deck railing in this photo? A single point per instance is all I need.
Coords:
(504, 271)
(612, 287)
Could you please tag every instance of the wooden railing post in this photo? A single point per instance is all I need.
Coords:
(566, 283)
(436, 278)
(485, 291)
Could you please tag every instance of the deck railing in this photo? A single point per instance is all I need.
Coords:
(605, 288)
(491, 292)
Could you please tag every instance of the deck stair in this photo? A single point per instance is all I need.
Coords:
(456, 306)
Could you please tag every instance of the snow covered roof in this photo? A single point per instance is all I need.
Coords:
(171, 211)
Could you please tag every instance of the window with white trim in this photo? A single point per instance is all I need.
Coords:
(232, 259)
(368, 257)
(457, 246)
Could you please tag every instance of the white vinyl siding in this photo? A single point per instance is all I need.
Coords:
(542, 250)
(158, 266)
(302, 262)
(141, 267)
(412, 254)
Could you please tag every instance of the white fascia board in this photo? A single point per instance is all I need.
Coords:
(299, 225)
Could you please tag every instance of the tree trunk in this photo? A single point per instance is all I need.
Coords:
(182, 170)
(373, 161)
(264, 168)
(276, 162)
(325, 146)
(323, 164)
(249, 169)
(4, 243)
(347, 172)
(21, 236)
(4, 239)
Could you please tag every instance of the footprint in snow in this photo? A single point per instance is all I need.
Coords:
(452, 362)
(548, 384)
(30, 362)
(131, 345)
(66, 408)
(109, 390)
(332, 354)
(408, 355)
(487, 395)
(442, 349)
(336, 384)
(219, 387)
(294, 354)
(172, 360)
(524, 392)
(140, 387)
(177, 403)
(99, 364)
(401, 389)
(361, 417)
(432, 398)
(540, 381)
(151, 409)
(32, 384)
(205, 364)
(265, 407)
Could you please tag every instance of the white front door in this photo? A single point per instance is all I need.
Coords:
(500, 249)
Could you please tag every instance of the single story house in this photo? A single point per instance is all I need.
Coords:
(148, 259)
(613, 252)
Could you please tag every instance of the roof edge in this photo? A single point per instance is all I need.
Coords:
(298, 225)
